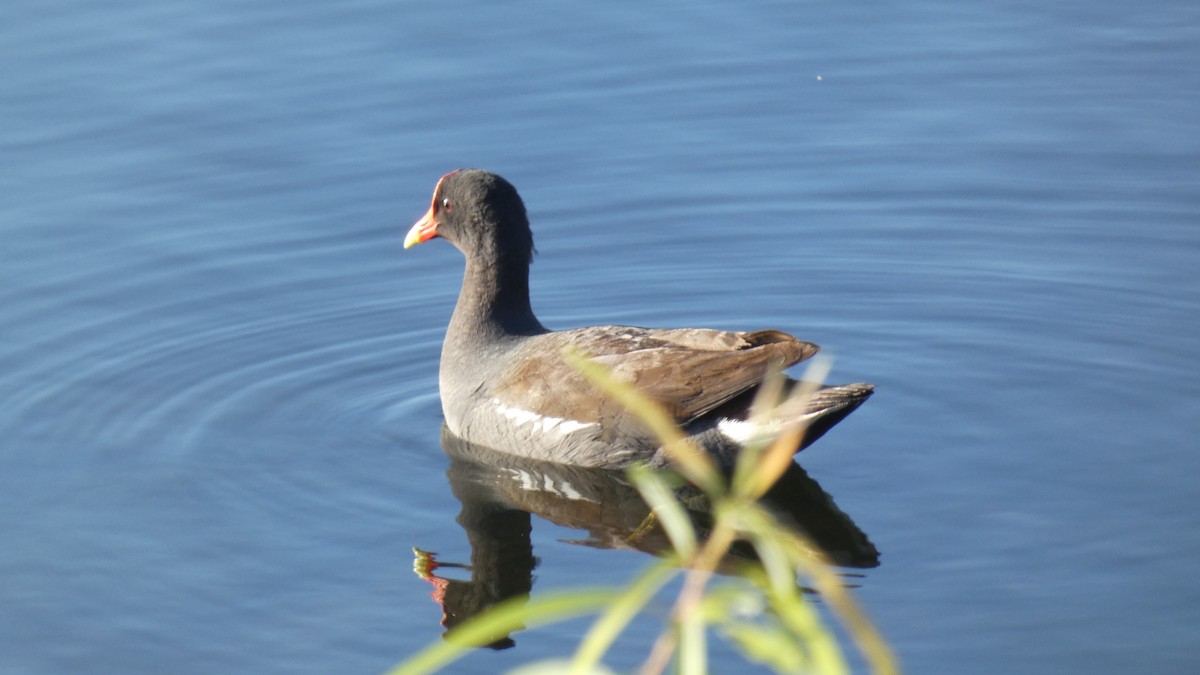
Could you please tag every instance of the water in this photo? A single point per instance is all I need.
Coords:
(218, 368)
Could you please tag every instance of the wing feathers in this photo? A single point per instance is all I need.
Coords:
(689, 371)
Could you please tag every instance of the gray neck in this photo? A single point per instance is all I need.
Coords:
(493, 305)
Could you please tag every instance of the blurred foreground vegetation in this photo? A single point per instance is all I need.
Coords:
(761, 609)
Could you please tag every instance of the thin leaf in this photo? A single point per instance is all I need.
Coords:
(754, 475)
(769, 644)
(623, 608)
(766, 400)
(697, 466)
(872, 645)
(506, 617)
(556, 667)
(800, 552)
(693, 648)
(673, 516)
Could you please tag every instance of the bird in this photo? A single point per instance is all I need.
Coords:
(505, 383)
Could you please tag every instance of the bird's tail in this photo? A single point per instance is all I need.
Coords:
(829, 405)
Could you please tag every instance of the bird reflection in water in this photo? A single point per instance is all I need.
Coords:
(499, 492)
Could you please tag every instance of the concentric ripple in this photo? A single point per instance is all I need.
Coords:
(185, 350)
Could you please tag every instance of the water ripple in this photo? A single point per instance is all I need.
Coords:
(95, 359)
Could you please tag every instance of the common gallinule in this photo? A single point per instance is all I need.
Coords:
(505, 384)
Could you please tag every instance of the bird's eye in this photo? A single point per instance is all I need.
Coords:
(446, 203)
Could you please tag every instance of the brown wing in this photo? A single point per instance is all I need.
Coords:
(689, 371)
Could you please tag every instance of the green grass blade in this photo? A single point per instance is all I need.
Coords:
(769, 645)
(690, 460)
(693, 648)
(673, 516)
(623, 608)
(556, 667)
(757, 471)
(506, 617)
(776, 544)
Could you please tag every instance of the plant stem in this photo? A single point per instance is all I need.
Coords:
(702, 568)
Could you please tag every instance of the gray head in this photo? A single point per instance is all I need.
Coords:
(481, 214)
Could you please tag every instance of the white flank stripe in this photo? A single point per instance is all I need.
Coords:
(743, 431)
(540, 483)
(541, 423)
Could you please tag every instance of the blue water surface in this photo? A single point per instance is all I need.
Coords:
(219, 422)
